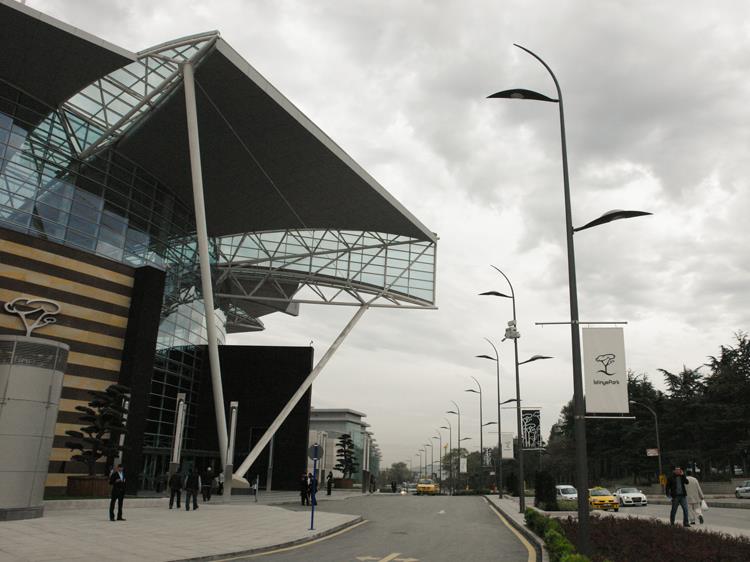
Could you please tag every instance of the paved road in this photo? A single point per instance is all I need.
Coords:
(717, 518)
(411, 529)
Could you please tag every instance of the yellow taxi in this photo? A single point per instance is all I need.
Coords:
(601, 498)
(427, 486)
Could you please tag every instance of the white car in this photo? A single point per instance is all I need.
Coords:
(743, 490)
(566, 492)
(630, 497)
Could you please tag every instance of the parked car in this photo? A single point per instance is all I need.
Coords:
(743, 490)
(630, 497)
(427, 486)
(566, 492)
(601, 498)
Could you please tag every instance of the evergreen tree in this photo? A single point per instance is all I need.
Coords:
(345, 461)
(104, 416)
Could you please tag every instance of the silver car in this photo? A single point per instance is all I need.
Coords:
(743, 490)
(630, 497)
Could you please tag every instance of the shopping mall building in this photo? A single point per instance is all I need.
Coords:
(137, 191)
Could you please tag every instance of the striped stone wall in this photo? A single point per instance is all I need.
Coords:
(94, 294)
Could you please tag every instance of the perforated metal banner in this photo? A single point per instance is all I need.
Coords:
(531, 429)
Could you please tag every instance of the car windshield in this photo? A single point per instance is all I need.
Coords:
(629, 491)
(568, 490)
(600, 492)
(425, 481)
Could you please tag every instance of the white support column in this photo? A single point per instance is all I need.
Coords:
(306, 384)
(205, 265)
(227, 496)
(179, 426)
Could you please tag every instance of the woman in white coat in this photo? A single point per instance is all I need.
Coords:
(694, 499)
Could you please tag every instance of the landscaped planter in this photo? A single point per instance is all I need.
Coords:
(345, 483)
(88, 486)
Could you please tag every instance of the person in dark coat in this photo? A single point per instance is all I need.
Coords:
(676, 490)
(312, 489)
(192, 485)
(117, 481)
(175, 488)
(329, 483)
(208, 480)
(304, 489)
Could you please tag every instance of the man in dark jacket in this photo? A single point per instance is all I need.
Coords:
(175, 488)
(117, 481)
(304, 490)
(192, 485)
(207, 482)
(676, 489)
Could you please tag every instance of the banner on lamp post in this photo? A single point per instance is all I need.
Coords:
(606, 379)
(462, 465)
(531, 429)
(506, 441)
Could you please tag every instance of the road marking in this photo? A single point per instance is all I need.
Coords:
(441, 512)
(296, 546)
(527, 544)
(390, 557)
(365, 558)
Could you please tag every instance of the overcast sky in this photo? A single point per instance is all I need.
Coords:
(658, 118)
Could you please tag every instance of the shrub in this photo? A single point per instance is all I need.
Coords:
(567, 505)
(557, 545)
(621, 539)
(545, 492)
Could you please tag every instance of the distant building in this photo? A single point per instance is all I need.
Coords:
(328, 425)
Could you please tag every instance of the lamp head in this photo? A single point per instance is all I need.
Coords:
(522, 94)
(609, 216)
(495, 294)
(485, 357)
(535, 358)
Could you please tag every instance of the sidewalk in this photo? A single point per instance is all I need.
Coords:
(156, 534)
(508, 506)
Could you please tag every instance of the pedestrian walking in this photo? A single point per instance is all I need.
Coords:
(695, 500)
(175, 488)
(676, 489)
(393, 486)
(208, 479)
(329, 483)
(312, 489)
(220, 480)
(117, 481)
(192, 485)
(303, 489)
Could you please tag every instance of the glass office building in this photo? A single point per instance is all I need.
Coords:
(94, 169)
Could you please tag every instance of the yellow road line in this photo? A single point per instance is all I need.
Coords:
(526, 543)
(296, 546)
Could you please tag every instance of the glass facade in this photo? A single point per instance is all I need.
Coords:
(63, 180)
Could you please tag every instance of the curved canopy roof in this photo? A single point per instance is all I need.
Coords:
(49, 59)
(265, 165)
(290, 213)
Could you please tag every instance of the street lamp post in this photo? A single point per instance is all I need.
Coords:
(450, 451)
(440, 460)
(481, 431)
(658, 442)
(579, 408)
(432, 459)
(421, 464)
(457, 413)
(499, 461)
(511, 332)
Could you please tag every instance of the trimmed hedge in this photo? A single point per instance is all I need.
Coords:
(626, 539)
(559, 547)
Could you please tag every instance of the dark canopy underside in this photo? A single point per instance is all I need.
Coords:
(265, 165)
(48, 59)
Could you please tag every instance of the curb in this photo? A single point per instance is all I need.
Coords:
(530, 536)
(723, 504)
(273, 547)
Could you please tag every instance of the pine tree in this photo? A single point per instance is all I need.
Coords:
(345, 456)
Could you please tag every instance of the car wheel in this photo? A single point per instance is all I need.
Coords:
(617, 509)
(737, 494)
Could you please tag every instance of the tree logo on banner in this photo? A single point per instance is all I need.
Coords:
(607, 360)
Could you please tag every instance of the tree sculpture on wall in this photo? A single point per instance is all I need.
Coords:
(105, 418)
(345, 456)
